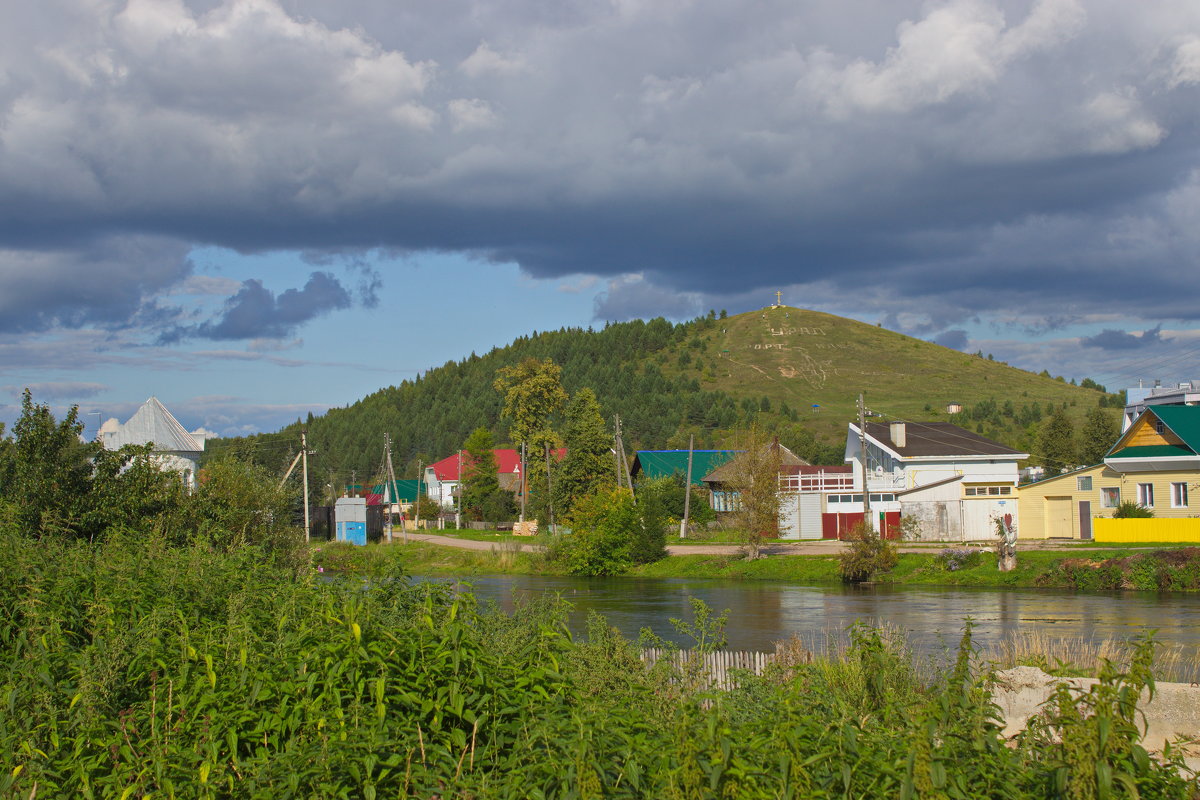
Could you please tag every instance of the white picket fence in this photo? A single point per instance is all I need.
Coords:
(713, 669)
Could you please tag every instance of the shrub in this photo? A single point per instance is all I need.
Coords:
(867, 555)
(1131, 510)
(603, 526)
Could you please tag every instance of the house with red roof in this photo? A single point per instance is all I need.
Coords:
(443, 477)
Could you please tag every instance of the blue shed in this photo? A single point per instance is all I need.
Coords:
(350, 515)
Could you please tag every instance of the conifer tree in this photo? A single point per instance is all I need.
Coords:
(588, 465)
(1056, 442)
(480, 483)
(1099, 433)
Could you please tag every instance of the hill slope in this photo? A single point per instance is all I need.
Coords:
(808, 358)
(707, 377)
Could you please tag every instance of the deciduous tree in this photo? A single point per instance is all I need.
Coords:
(754, 476)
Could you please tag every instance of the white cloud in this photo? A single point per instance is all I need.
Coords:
(486, 61)
(472, 114)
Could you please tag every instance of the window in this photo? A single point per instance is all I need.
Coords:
(1146, 495)
(1179, 495)
(1158, 426)
(970, 490)
(1110, 497)
(1083, 483)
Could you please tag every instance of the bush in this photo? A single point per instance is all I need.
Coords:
(867, 555)
(1131, 510)
(603, 527)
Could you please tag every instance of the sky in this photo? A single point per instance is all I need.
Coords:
(253, 209)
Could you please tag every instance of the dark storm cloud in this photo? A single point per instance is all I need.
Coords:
(1110, 339)
(256, 312)
(104, 282)
(716, 149)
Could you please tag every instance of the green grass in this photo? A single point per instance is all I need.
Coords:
(1091, 568)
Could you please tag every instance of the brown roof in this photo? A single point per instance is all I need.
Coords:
(938, 439)
(787, 462)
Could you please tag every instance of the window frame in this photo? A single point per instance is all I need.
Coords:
(1105, 495)
(1145, 494)
(1179, 492)
(1083, 483)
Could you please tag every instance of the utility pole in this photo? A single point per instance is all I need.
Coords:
(623, 462)
(862, 454)
(523, 482)
(304, 451)
(687, 490)
(417, 503)
(458, 511)
(549, 487)
(391, 479)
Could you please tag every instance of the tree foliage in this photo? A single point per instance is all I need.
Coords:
(867, 554)
(603, 527)
(1098, 435)
(482, 497)
(1056, 442)
(588, 465)
(754, 476)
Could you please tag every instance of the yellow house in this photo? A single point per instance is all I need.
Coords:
(1155, 464)
(1158, 459)
(1063, 507)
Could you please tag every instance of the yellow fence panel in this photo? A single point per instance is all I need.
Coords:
(1183, 529)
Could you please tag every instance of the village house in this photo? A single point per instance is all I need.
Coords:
(174, 447)
(1155, 463)
(442, 478)
(651, 464)
(956, 483)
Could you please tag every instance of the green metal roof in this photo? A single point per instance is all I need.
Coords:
(1153, 451)
(406, 489)
(663, 463)
(1184, 422)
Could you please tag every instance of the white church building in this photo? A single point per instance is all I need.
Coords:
(174, 447)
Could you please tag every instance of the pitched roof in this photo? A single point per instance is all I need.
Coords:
(153, 423)
(1184, 422)
(664, 463)
(508, 461)
(932, 439)
(405, 490)
(1153, 451)
(789, 462)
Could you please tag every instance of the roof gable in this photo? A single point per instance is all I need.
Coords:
(1180, 435)
(508, 461)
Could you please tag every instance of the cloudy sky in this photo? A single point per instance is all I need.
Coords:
(254, 208)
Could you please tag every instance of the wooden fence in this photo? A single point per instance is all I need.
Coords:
(712, 670)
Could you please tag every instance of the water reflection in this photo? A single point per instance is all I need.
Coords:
(763, 613)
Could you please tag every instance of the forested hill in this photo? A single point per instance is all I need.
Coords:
(792, 371)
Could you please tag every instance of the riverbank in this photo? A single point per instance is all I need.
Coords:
(1095, 569)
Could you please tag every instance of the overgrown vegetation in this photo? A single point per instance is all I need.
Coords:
(135, 668)
(867, 555)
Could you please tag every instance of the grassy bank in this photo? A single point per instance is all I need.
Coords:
(135, 669)
(1097, 569)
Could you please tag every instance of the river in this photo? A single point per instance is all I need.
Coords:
(762, 613)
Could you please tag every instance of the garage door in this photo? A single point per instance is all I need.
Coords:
(1058, 518)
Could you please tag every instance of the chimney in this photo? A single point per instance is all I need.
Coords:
(897, 434)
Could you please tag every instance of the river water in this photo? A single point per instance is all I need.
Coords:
(761, 613)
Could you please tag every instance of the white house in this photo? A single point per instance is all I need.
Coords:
(954, 481)
(174, 447)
